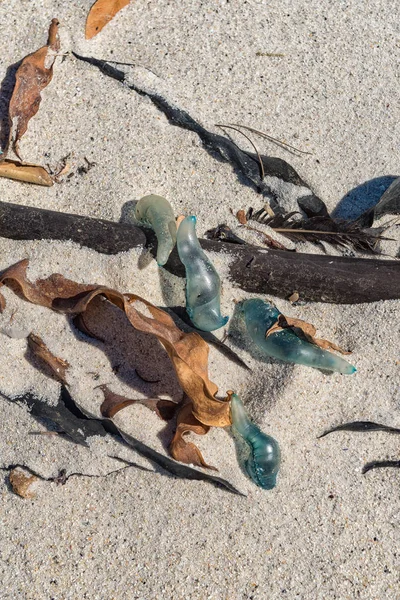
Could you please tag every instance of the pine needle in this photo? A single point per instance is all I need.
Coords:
(281, 143)
(318, 229)
(251, 142)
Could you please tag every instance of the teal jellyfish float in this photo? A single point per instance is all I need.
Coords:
(285, 345)
(203, 285)
(156, 212)
(263, 463)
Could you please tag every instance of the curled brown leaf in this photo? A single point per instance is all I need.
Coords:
(113, 403)
(100, 14)
(33, 75)
(13, 169)
(184, 451)
(39, 349)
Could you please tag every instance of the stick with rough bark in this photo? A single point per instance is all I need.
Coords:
(19, 222)
(317, 278)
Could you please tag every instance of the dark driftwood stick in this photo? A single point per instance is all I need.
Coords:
(20, 222)
(318, 278)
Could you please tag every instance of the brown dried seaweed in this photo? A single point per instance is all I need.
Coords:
(188, 352)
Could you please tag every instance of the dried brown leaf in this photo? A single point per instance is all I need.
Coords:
(184, 451)
(188, 352)
(20, 483)
(45, 292)
(327, 345)
(241, 217)
(33, 75)
(306, 328)
(13, 169)
(294, 297)
(113, 403)
(305, 331)
(57, 365)
(179, 220)
(100, 14)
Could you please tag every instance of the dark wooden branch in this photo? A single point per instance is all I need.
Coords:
(318, 278)
(19, 222)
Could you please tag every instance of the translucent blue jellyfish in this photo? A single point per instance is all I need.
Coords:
(156, 212)
(265, 456)
(285, 345)
(203, 286)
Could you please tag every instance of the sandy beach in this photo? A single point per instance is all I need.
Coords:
(321, 76)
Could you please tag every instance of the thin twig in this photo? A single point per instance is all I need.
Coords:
(251, 142)
(317, 232)
(136, 65)
(287, 146)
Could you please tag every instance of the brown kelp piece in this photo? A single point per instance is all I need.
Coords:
(113, 403)
(188, 352)
(33, 75)
(180, 449)
(189, 355)
(100, 14)
(305, 331)
(45, 292)
(21, 483)
(13, 169)
(80, 324)
(39, 349)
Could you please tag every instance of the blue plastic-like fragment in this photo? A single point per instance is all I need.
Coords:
(285, 345)
(203, 286)
(263, 463)
(156, 212)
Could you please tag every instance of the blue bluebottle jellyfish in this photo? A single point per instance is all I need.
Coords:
(203, 285)
(156, 212)
(263, 463)
(285, 345)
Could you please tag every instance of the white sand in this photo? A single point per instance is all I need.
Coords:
(326, 531)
